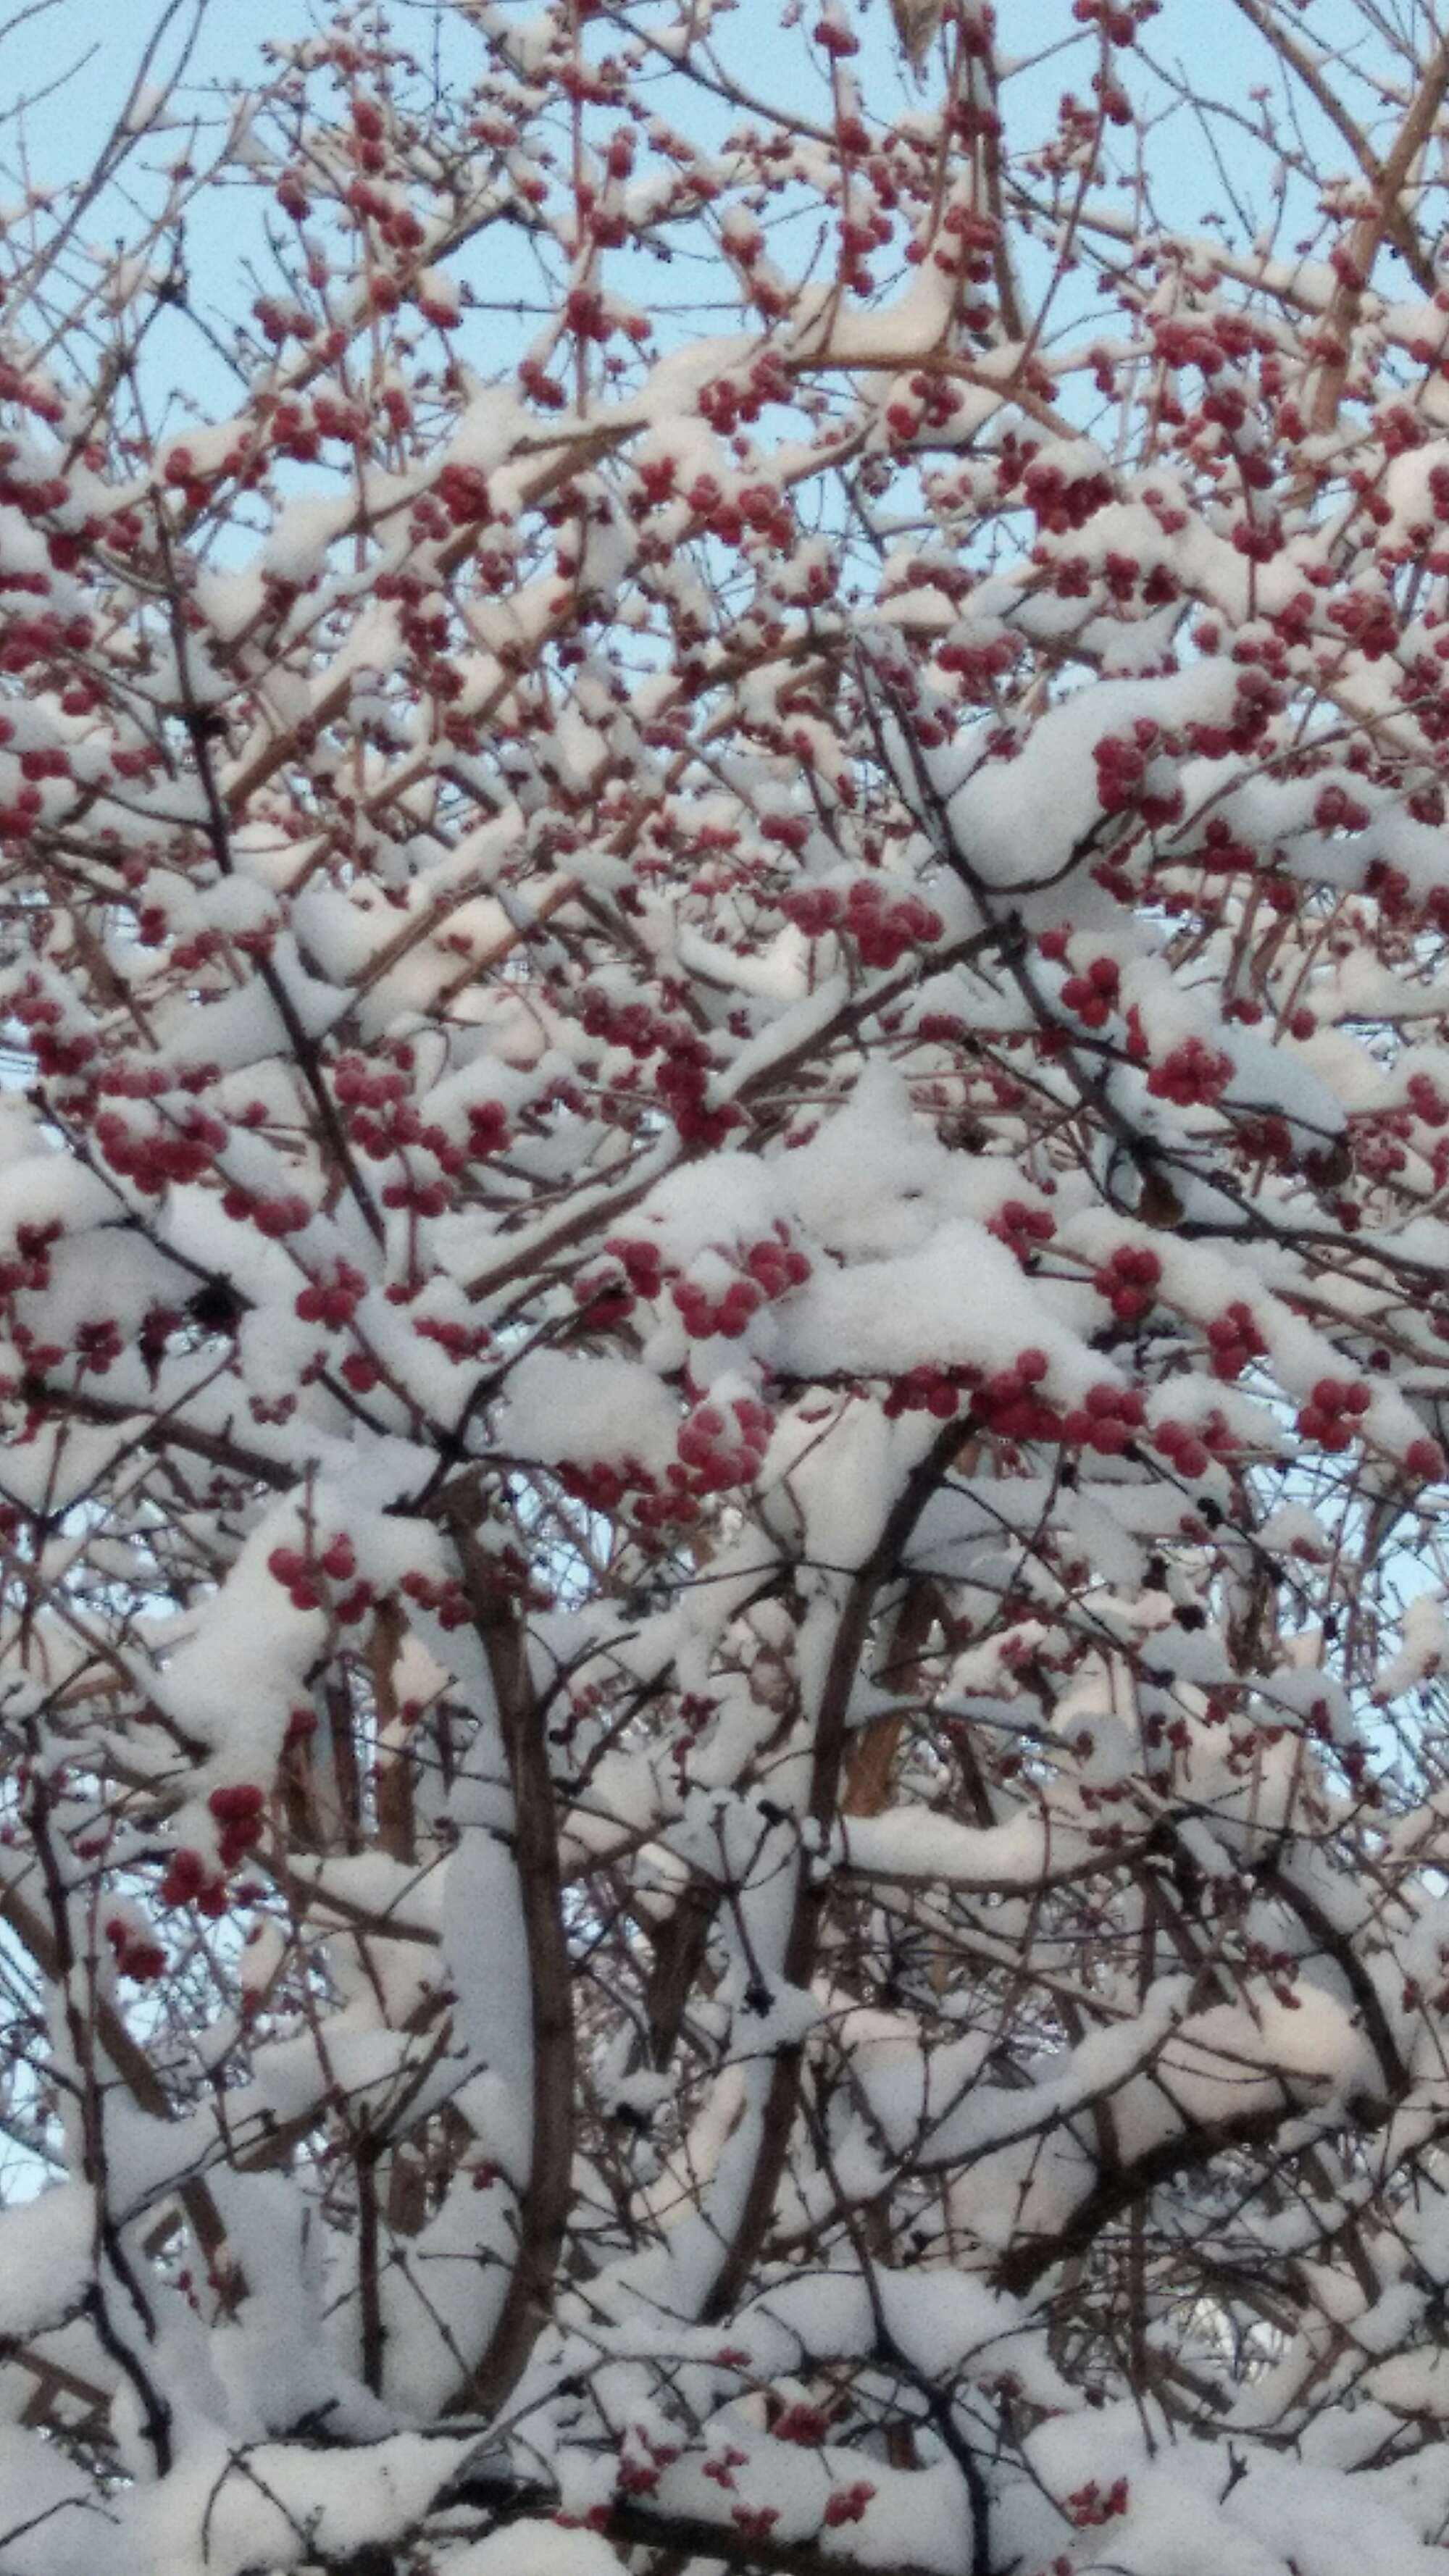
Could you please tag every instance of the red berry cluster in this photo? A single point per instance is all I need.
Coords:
(1118, 25)
(1194, 1075)
(1107, 1420)
(767, 1269)
(29, 1265)
(1335, 810)
(721, 1445)
(728, 400)
(306, 1579)
(642, 1263)
(1122, 762)
(631, 1025)
(681, 1080)
(238, 1808)
(399, 1126)
(273, 1217)
(42, 1014)
(177, 1152)
(136, 1954)
(1129, 1281)
(463, 491)
(1189, 1449)
(757, 506)
(802, 2423)
(642, 2460)
(1062, 502)
(332, 1300)
(1221, 854)
(1010, 1404)
(1007, 1403)
(1091, 2504)
(188, 1881)
(603, 1487)
(1092, 997)
(98, 1346)
(1021, 1228)
(460, 1341)
(882, 929)
(488, 1130)
(423, 1195)
(1426, 1100)
(927, 1389)
(446, 1599)
(1333, 1412)
(605, 1297)
(847, 2504)
(1233, 1340)
(38, 639)
(756, 2521)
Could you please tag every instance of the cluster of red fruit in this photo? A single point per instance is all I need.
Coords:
(363, 1093)
(727, 400)
(55, 1055)
(1334, 1409)
(1062, 502)
(238, 1808)
(38, 639)
(802, 2423)
(764, 1270)
(1119, 25)
(188, 1881)
(273, 1217)
(1129, 1281)
(767, 1269)
(1107, 1420)
(1092, 997)
(136, 1953)
(1009, 1405)
(1193, 1075)
(882, 929)
(332, 1300)
(847, 2504)
(681, 1080)
(1091, 2504)
(1021, 1228)
(1122, 763)
(463, 491)
(176, 1153)
(306, 1578)
(1334, 810)
(98, 1345)
(460, 1341)
(1426, 1100)
(22, 815)
(631, 1025)
(602, 1487)
(29, 1265)
(1233, 1340)
(721, 1445)
(1188, 1448)
(756, 2521)
(445, 1598)
(610, 1300)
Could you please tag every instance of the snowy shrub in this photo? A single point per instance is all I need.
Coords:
(724, 1284)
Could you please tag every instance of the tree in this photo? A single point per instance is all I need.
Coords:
(724, 1294)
